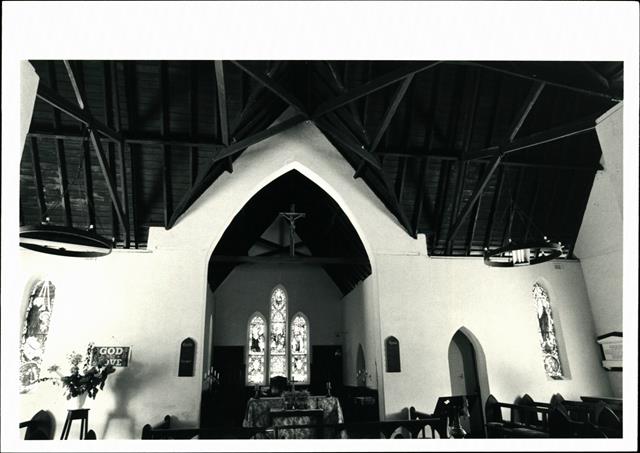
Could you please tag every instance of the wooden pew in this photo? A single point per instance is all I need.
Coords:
(599, 419)
(615, 404)
(536, 419)
(527, 420)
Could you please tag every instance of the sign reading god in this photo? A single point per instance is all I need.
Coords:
(115, 355)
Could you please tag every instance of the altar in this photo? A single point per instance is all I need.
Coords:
(306, 410)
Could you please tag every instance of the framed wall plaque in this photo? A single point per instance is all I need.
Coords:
(392, 348)
(611, 347)
(187, 355)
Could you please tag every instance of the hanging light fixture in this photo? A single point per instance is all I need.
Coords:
(523, 254)
(64, 241)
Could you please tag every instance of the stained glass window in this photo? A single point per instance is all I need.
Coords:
(256, 365)
(299, 349)
(34, 333)
(274, 351)
(278, 333)
(547, 332)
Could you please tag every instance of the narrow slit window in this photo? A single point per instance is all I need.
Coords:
(34, 333)
(547, 333)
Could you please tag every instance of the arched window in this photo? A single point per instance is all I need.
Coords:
(256, 351)
(285, 354)
(547, 332)
(34, 333)
(300, 349)
(278, 333)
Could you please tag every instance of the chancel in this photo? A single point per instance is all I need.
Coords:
(323, 249)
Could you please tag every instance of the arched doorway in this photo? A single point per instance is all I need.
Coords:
(467, 379)
(318, 260)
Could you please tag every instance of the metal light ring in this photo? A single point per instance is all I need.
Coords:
(63, 252)
(553, 249)
(66, 235)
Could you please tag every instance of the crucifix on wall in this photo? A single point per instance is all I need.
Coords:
(292, 216)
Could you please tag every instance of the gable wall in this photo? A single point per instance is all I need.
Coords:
(152, 300)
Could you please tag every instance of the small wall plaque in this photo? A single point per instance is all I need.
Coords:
(187, 354)
(392, 347)
(115, 355)
(611, 347)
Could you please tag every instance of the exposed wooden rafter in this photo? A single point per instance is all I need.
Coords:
(422, 132)
(342, 136)
(166, 150)
(55, 100)
(97, 145)
(222, 109)
(372, 86)
(204, 181)
(193, 121)
(132, 139)
(391, 111)
(518, 121)
(130, 97)
(124, 193)
(37, 177)
(88, 185)
(60, 154)
(417, 209)
(548, 79)
(275, 87)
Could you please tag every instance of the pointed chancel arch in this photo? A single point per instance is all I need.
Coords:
(326, 231)
(278, 307)
(256, 349)
(299, 357)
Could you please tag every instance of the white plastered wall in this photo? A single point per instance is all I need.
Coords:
(152, 300)
(599, 245)
(248, 289)
(424, 301)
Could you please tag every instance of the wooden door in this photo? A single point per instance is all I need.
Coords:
(230, 398)
(326, 365)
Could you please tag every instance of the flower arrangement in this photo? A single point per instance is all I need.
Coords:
(90, 380)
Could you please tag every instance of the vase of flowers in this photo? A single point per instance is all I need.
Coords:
(79, 384)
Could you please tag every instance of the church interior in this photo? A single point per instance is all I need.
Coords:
(260, 249)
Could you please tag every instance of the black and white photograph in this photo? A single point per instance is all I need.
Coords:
(322, 226)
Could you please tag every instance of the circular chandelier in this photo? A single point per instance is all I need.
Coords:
(523, 254)
(64, 241)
